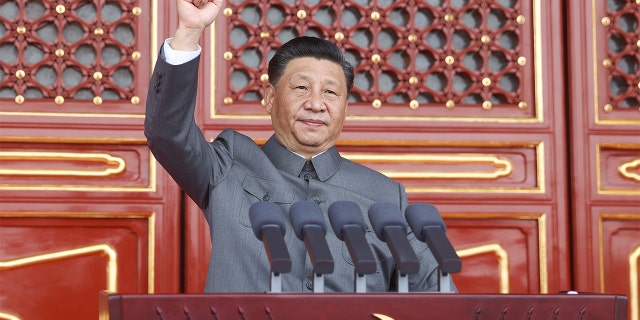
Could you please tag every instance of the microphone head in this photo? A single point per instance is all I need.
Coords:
(263, 213)
(385, 214)
(304, 213)
(420, 215)
(342, 213)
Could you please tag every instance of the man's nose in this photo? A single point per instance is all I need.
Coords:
(316, 101)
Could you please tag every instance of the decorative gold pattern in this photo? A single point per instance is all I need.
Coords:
(116, 165)
(112, 265)
(504, 166)
(625, 167)
(502, 258)
(152, 167)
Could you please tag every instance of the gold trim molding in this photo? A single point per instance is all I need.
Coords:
(502, 258)
(114, 165)
(503, 166)
(112, 265)
(541, 220)
(106, 158)
(151, 240)
(8, 316)
(634, 292)
(634, 261)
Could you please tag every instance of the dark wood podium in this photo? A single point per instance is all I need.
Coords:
(349, 306)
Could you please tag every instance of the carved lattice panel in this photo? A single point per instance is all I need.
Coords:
(435, 58)
(618, 61)
(74, 56)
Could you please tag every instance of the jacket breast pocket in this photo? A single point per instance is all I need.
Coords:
(260, 189)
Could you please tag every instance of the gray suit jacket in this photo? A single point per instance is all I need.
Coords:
(226, 176)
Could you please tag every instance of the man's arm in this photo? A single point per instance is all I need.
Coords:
(172, 134)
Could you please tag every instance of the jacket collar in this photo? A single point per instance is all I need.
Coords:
(325, 163)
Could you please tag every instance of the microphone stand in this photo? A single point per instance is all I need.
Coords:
(278, 255)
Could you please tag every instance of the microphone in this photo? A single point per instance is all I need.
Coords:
(309, 226)
(428, 226)
(349, 226)
(267, 222)
(388, 225)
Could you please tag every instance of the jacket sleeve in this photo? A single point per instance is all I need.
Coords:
(172, 134)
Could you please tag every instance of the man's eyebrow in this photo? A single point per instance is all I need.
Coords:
(308, 76)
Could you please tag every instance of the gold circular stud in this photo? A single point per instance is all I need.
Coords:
(98, 31)
(228, 100)
(520, 19)
(412, 38)
(485, 39)
(413, 81)
(97, 75)
(135, 100)
(522, 61)
(21, 30)
(264, 78)
(265, 35)
(60, 9)
(376, 58)
(97, 101)
(301, 14)
(486, 82)
(522, 105)
(487, 105)
(136, 11)
(20, 74)
(376, 104)
(606, 63)
(606, 21)
(608, 108)
(375, 16)
(414, 104)
(227, 12)
(59, 100)
(59, 53)
(19, 99)
(450, 104)
(448, 18)
(339, 36)
(227, 55)
(135, 56)
(449, 60)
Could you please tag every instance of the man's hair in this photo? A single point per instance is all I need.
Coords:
(308, 47)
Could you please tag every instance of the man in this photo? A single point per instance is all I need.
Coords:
(307, 100)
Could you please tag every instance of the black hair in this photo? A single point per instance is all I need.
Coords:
(308, 47)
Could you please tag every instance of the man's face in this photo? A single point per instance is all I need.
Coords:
(308, 106)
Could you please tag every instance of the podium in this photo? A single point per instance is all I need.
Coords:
(352, 306)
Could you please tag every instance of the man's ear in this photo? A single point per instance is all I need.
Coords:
(269, 96)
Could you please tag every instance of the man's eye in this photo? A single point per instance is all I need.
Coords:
(331, 92)
(301, 87)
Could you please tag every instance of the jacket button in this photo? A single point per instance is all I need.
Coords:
(266, 197)
(315, 199)
(309, 285)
